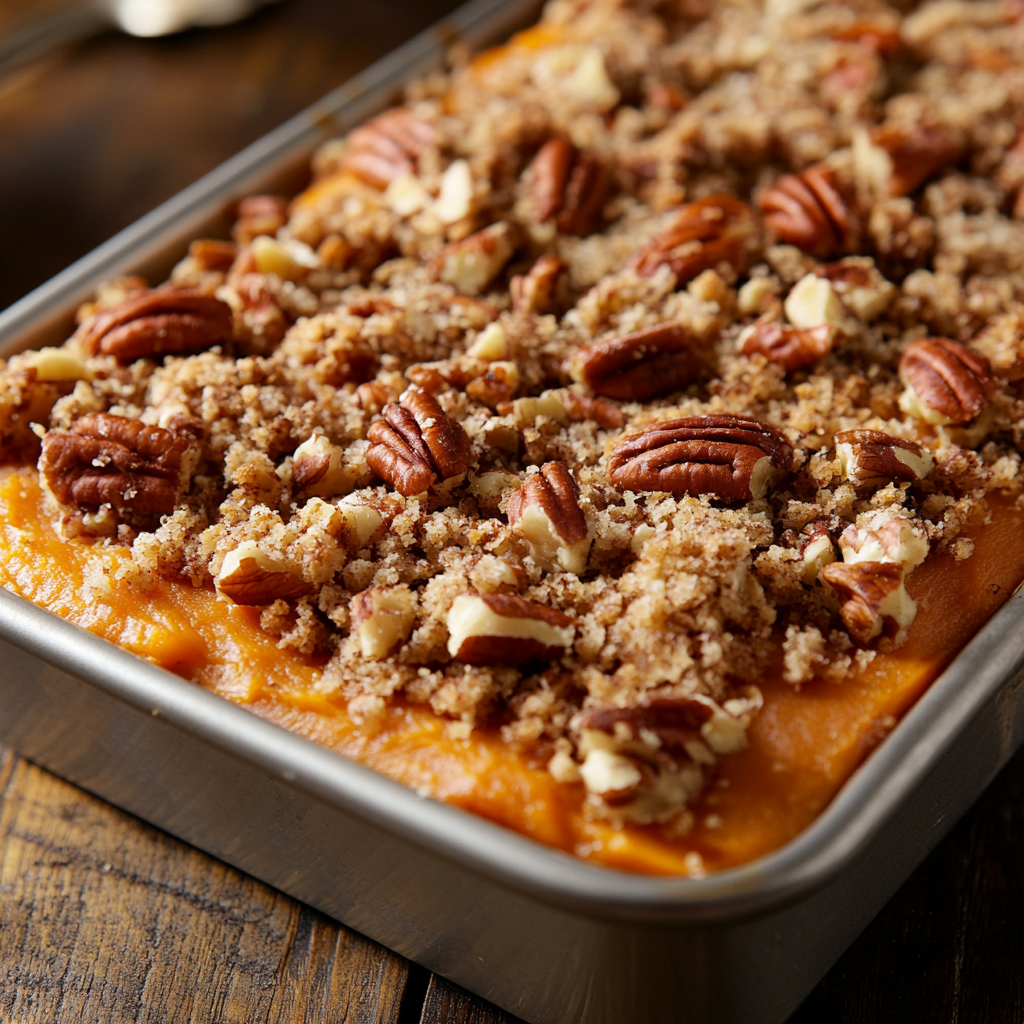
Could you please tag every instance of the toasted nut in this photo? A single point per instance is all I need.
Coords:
(885, 536)
(372, 396)
(536, 291)
(407, 195)
(816, 551)
(812, 302)
(613, 777)
(698, 237)
(166, 321)
(248, 576)
(491, 482)
(753, 296)
(916, 152)
(548, 403)
(872, 458)
(318, 467)
(808, 211)
(456, 199)
(731, 457)
(416, 444)
(212, 254)
(491, 343)
(579, 72)
(500, 629)
(259, 215)
(879, 33)
(793, 348)
(569, 186)
(112, 460)
(669, 723)
(472, 263)
(289, 260)
(53, 365)
(606, 415)
(639, 366)
(496, 386)
(873, 601)
(946, 382)
(381, 618)
(862, 289)
(386, 147)
(546, 513)
(361, 520)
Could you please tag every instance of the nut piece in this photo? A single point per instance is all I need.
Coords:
(697, 237)
(860, 287)
(259, 215)
(250, 577)
(816, 551)
(361, 520)
(872, 458)
(639, 366)
(812, 301)
(946, 382)
(793, 348)
(500, 629)
(885, 536)
(381, 618)
(735, 458)
(112, 460)
(165, 321)
(807, 210)
(386, 147)
(546, 513)
(56, 365)
(416, 444)
(490, 344)
(570, 186)
(916, 153)
(873, 601)
(472, 263)
(319, 469)
(536, 291)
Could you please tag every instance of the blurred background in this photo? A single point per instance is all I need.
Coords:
(95, 133)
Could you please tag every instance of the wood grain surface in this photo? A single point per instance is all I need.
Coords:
(105, 919)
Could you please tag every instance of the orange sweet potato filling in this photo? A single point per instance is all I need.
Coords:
(803, 745)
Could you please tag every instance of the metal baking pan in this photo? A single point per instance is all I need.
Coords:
(552, 939)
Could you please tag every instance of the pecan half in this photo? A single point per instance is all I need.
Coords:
(793, 348)
(946, 382)
(873, 601)
(916, 152)
(416, 444)
(676, 721)
(639, 366)
(387, 147)
(111, 460)
(546, 513)
(535, 291)
(569, 185)
(259, 215)
(501, 629)
(731, 457)
(873, 458)
(165, 321)
(698, 237)
(808, 211)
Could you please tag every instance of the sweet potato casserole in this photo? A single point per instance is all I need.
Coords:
(614, 438)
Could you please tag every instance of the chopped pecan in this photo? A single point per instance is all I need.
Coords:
(387, 147)
(535, 291)
(873, 601)
(111, 460)
(873, 458)
(859, 286)
(946, 382)
(880, 34)
(502, 629)
(165, 321)
(606, 415)
(259, 215)
(917, 152)
(212, 254)
(472, 263)
(808, 211)
(250, 577)
(381, 618)
(569, 185)
(496, 386)
(731, 457)
(885, 535)
(814, 542)
(675, 721)
(793, 348)
(546, 513)
(698, 237)
(372, 396)
(416, 444)
(639, 366)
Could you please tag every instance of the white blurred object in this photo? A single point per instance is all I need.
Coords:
(147, 18)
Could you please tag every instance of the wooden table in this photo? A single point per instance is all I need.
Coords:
(103, 918)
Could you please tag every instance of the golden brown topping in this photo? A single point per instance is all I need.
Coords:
(535, 292)
(917, 153)
(416, 444)
(381, 618)
(166, 321)
(946, 382)
(546, 513)
(250, 577)
(873, 601)
(639, 366)
(387, 147)
(570, 186)
(259, 215)
(472, 263)
(112, 460)
(698, 237)
(731, 457)
(872, 458)
(807, 210)
(793, 348)
(501, 629)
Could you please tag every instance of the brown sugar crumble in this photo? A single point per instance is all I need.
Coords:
(567, 385)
